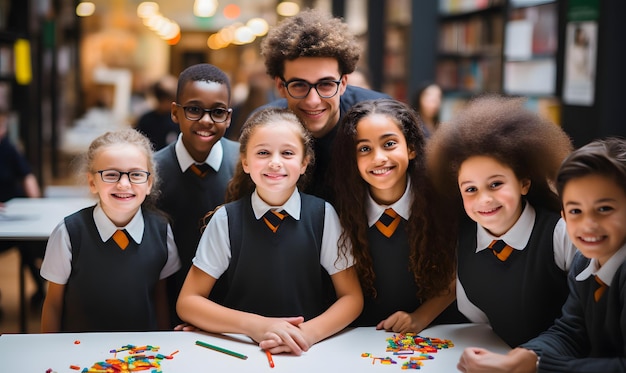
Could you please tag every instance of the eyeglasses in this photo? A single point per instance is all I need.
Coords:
(298, 88)
(113, 176)
(217, 115)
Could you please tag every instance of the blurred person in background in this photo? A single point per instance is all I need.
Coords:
(17, 180)
(427, 103)
(157, 124)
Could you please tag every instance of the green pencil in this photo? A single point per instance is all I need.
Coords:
(222, 350)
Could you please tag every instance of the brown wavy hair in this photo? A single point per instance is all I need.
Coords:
(432, 256)
(501, 128)
(241, 184)
(311, 33)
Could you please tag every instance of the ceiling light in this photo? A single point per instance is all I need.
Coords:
(85, 9)
(287, 9)
(204, 8)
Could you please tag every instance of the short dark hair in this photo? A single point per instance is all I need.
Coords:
(202, 72)
(600, 157)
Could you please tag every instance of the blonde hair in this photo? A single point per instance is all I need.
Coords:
(125, 136)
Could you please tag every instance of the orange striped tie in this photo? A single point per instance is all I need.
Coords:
(500, 249)
(273, 218)
(201, 170)
(388, 222)
(600, 290)
(121, 239)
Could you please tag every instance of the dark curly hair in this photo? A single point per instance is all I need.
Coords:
(311, 33)
(432, 258)
(502, 128)
(600, 157)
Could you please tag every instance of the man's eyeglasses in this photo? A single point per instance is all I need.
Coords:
(217, 115)
(298, 88)
(113, 176)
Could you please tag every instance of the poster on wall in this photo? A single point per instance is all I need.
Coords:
(581, 41)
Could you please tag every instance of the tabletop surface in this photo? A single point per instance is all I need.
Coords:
(35, 218)
(34, 353)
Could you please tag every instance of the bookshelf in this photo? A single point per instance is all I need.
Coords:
(470, 50)
(530, 55)
(503, 46)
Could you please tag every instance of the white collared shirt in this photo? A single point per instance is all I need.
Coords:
(213, 254)
(607, 271)
(517, 237)
(57, 263)
(402, 206)
(185, 160)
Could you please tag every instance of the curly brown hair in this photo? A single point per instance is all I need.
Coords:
(502, 128)
(432, 257)
(311, 33)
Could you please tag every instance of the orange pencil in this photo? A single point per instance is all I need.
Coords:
(269, 358)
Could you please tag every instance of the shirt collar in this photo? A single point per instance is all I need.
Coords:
(517, 237)
(401, 206)
(292, 206)
(185, 160)
(607, 271)
(106, 228)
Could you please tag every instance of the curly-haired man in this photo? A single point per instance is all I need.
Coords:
(309, 57)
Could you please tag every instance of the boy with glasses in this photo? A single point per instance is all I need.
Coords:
(309, 57)
(197, 167)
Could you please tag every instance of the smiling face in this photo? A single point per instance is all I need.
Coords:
(492, 193)
(275, 159)
(594, 208)
(199, 136)
(319, 114)
(121, 200)
(382, 157)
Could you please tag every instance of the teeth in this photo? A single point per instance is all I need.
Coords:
(488, 211)
(313, 112)
(203, 133)
(380, 171)
(590, 239)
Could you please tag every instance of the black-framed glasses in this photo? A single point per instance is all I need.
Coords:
(113, 176)
(298, 88)
(217, 115)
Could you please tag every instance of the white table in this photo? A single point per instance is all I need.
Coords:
(33, 219)
(30, 353)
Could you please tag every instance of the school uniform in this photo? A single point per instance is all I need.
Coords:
(108, 288)
(522, 296)
(273, 274)
(590, 336)
(187, 197)
(395, 285)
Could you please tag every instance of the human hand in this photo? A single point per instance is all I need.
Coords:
(186, 327)
(282, 335)
(479, 360)
(400, 322)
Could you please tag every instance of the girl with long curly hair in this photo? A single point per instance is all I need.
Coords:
(499, 161)
(403, 256)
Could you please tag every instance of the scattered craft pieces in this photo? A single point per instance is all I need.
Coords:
(136, 360)
(412, 346)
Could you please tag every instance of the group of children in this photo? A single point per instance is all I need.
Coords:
(233, 245)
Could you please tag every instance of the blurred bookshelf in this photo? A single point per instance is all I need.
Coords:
(498, 46)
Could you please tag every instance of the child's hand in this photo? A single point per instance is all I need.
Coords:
(186, 327)
(282, 335)
(400, 322)
(479, 360)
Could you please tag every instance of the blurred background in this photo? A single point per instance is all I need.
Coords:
(71, 70)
